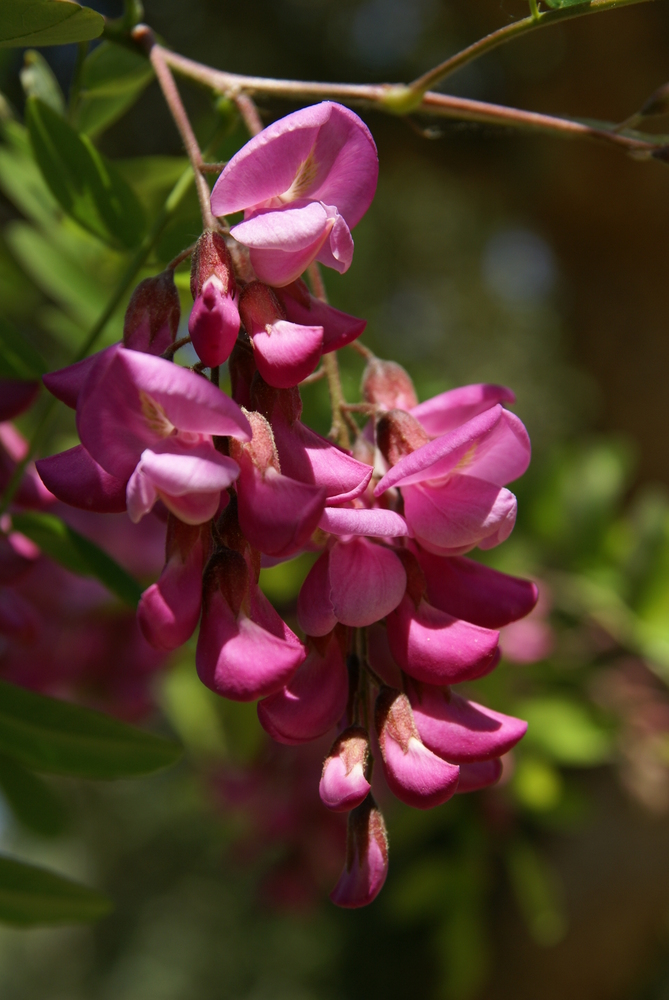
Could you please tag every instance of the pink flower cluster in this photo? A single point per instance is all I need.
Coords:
(391, 613)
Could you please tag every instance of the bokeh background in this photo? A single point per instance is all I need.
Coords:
(488, 255)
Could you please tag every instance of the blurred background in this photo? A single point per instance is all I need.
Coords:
(487, 255)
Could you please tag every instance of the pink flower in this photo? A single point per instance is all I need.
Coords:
(339, 329)
(304, 182)
(478, 774)
(312, 702)
(366, 864)
(285, 353)
(148, 423)
(453, 486)
(414, 774)
(214, 320)
(344, 783)
(245, 650)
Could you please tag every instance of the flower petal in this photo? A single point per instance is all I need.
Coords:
(314, 607)
(77, 479)
(277, 514)
(287, 353)
(343, 784)
(363, 521)
(479, 774)
(367, 581)
(366, 858)
(339, 328)
(449, 409)
(465, 512)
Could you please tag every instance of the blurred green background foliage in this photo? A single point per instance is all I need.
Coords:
(486, 256)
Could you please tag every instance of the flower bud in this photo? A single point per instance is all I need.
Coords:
(366, 857)
(214, 319)
(398, 434)
(285, 352)
(388, 385)
(344, 783)
(152, 317)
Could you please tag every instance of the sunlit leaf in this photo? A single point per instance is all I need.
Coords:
(112, 80)
(87, 185)
(38, 80)
(31, 799)
(565, 731)
(32, 896)
(76, 553)
(56, 736)
(47, 22)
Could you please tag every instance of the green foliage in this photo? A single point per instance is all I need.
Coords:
(47, 22)
(565, 731)
(61, 738)
(537, 892)
(38, 80)
(32, 897)
(113, 77)
(76, 553)
(85, 183)
(18, 358)
(31, 799)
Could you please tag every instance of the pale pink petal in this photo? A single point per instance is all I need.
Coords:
(290, 229)
(141, 495)
(314, 606)
(76, 479)
(245, 659)
(480, 774)
(200, 469)
(311, 703)
(448, 410)
(414, 774)
(277, 514)
(367, 581)
(363, 521)
(213, 324)
(169, 610)
(339, 328)
(468, 589)
(307, 456)
(459, 730)
(435, 647)
(465, 512)
(366, 858)
(337, 251)
(343, 783)
(286, 353)
(193, 508)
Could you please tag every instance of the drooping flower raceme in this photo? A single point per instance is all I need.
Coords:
(303, 183)
(391, 613)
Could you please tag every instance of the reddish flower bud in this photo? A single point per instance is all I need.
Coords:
(398, 434)
(366, 858)
(214, 320)
(152, 317)
(211, 258)
(388, 385)
(344, 783)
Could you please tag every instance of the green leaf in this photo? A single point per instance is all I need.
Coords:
(555, 4)
(47, 22)
(76, 553)
(61, 738)
(32, 896)
(87, 185)
(38, 80)
(113, 78)
(18, 358)
(31, 800)
(565, 731)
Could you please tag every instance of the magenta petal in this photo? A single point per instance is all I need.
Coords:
(287, 353)
(464, 512)
(169, 610)
(363, 521)
(324, 152)
(277, 514)
(448, 410)
(468, 589)
(480, 774)
(245, 658)
(307, 456)
(367, 581)
(459, 730)
(366, 858)
(339, 328)
(344, 784)
(312, 701)
(414, 774)
(16, 395)
(132, 401)
(314, 607)
(213, 325)
(434, 647)
(77, 479)
(66, 383)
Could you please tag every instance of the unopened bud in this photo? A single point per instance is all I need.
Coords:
(214, 320)
(398, 434)
(152, 317)
(261, 449)
(344, 783)
(259, 307)
(211, 258)
(388, 385)
(366, 857)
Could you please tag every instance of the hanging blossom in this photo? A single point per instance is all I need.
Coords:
(392, 613)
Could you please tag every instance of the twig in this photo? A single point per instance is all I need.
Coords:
(361, 349)
(180, 258)
(173, 348)
(249, 113)
(314, 377)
